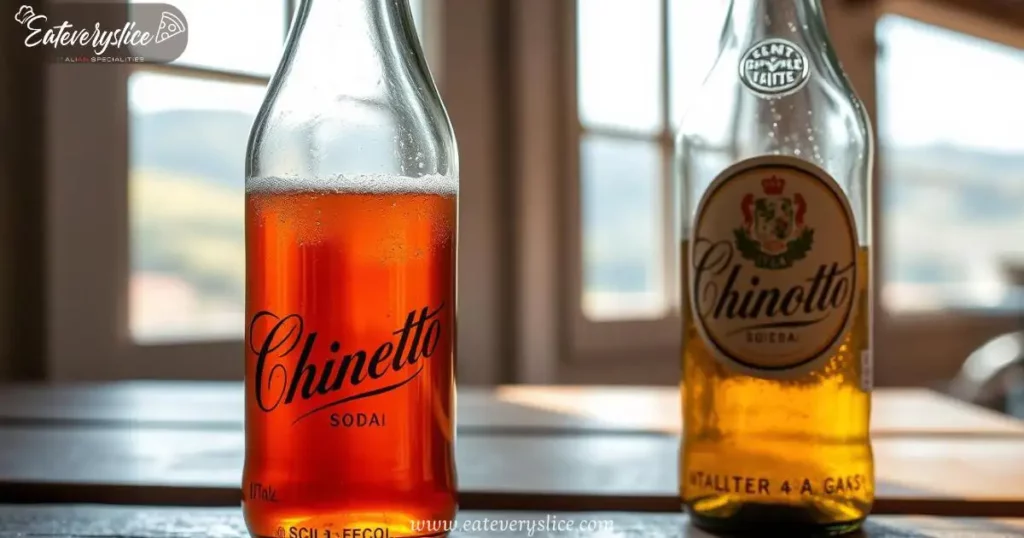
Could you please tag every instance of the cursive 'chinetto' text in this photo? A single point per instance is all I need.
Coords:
(398, 360)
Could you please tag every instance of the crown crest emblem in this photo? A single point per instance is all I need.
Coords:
(774, 234)
(773, 185)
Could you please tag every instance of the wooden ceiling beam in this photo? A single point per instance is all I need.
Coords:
(1001, 21)
(1007, 11)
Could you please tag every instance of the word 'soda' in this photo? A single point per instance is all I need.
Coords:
(417, 338)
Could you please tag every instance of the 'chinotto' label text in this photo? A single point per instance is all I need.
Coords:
(295, 364)
(773, 266)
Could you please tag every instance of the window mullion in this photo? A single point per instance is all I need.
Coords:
(619, 134)
(665, 65)
(204, 73)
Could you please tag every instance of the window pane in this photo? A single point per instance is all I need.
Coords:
(694, 29)
(622, 226)
(953, 169)
(188, 139)
(235, 35)
(619, 57)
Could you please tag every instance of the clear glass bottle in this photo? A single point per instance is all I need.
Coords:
(351, 229)
(774, 159)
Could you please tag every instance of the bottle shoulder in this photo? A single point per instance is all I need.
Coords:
(821, 122)
(304, 129)
(726, 114)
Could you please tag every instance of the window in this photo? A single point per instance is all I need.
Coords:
(188, 128)
(951, 227)
(637, 65)
(145, 197)
(952, 159)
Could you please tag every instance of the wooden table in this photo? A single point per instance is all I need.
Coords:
(519, 448)
(76, 521)
(518, 409)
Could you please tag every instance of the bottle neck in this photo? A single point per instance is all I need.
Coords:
(752, 20)
(352, 96)
(369, 20)
(353, 46)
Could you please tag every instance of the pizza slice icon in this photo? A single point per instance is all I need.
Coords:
(170, 26)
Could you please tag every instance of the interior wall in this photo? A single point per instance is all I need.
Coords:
(472, 72)
(929, 349)
(22, 160)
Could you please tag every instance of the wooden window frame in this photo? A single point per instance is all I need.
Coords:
(947, 336)
(606, 340)
(504, 70)
(554, 344)
(87, 213)
(89, 265)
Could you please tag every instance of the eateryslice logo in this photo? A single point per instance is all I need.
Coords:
(65, 34)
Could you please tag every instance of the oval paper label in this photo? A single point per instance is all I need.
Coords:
(773, 279)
